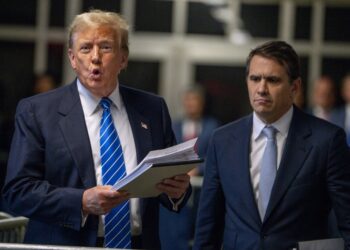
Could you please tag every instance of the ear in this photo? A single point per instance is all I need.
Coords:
(71, 58)
(296, 86)
(124, 59)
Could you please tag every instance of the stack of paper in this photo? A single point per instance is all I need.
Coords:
(159, 165)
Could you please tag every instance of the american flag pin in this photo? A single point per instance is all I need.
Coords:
(144, 125)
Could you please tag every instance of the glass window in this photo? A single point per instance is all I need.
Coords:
(153, 15)
(109, 5)
(260, 20)
(201, 21)
(16, 82)
(55, 61)
(17, 71)
(335, 68)
(304, 70)
(337, 24)
(302, 28)
(142, 75)
(227, 95)
(57, 13)
(18, 12)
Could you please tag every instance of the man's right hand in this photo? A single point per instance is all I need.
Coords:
(101, 199)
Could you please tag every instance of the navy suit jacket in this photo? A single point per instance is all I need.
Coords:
(338, 117)
(313, 176)
(50, 164)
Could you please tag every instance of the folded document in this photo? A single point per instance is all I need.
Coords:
(159, 165)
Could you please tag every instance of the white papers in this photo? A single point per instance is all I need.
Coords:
(181, 152)
(158, 165)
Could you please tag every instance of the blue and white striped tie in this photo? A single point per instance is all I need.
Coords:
(117, 221)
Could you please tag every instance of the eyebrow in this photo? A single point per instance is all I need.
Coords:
(268, 77)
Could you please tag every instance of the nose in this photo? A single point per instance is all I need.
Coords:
(262, 87)
(95, 57)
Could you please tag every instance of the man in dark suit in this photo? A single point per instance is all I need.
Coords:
(271, 191)
(54, 168)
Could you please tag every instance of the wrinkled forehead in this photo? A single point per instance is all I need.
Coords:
(89, 31)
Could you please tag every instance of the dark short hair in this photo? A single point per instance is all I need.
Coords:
(281, 52)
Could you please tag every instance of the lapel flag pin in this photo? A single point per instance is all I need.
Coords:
(144, 125)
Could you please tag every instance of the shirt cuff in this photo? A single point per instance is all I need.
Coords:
(176, 202)
(83, 219)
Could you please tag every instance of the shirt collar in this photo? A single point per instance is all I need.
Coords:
(282, 125)
(347, 108)
(92, 102)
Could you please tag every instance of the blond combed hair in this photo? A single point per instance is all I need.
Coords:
(98, 18)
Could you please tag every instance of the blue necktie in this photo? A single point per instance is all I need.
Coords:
(268, 170)
(117, 221)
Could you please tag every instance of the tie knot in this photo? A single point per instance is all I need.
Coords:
(270, 132)
(105, 103)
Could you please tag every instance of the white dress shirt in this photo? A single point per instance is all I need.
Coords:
(191, 129)
(258, 143)
(93, 113)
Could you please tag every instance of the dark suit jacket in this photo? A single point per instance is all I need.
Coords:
(314, 174)
(51, 164)
(338, 117)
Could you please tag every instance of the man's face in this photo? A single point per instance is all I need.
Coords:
(97, 58)
(270, 92)
(193, 104)
(324, 93)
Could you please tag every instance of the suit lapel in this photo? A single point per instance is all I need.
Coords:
(240, 142)
(141, 129)
(140, 125)
(296, 150)
(75, 133)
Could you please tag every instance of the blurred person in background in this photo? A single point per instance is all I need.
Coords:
(43, 83)
(67, 140)
(194, 123)
(299, 99)
(323, 98)
(341, 116)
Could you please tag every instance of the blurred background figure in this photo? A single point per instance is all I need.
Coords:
(324, 97)
(341, 116)
(194, 123)
(179, 228)
(43, 83)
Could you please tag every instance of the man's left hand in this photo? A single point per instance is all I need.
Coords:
(176, 186)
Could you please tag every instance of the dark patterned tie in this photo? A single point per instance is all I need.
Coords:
(117, 221)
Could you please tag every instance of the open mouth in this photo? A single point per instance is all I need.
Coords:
(96, 74)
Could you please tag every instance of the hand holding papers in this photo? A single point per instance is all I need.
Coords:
(159, 165)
